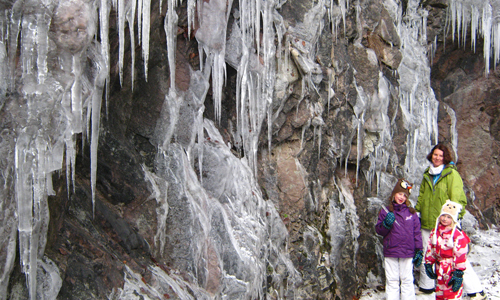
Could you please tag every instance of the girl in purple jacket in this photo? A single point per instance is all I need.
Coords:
(400, 227)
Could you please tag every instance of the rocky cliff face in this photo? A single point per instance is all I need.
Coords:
(339, 140)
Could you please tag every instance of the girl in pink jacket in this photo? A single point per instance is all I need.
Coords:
(447, 250)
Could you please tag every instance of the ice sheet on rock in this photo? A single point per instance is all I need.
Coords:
(168, 119)
(302, 40)
(8, 207)
(49, 279)
(377, 139)
(181, 118)
(417, 100)
(342, 224)
(134, 288)
(225, 216)
(159, 187)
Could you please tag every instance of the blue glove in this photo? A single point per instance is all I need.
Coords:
(389, 220)
(429, 271)
(417, 259)
(456, 280)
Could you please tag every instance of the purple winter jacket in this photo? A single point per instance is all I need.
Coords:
(404, 237)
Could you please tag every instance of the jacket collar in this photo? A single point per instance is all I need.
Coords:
(398, 207)
(446, 171)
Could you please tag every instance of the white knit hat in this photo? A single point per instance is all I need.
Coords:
(452, 209)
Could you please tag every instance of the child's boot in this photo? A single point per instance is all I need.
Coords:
(478, 296)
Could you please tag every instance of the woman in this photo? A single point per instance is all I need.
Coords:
(441, 182)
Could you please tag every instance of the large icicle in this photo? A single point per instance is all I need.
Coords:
(211, 35)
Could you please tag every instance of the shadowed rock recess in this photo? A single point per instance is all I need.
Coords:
(255, 171)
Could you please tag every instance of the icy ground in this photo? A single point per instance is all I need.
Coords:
(485, 258)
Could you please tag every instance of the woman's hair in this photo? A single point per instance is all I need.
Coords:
(446, 154)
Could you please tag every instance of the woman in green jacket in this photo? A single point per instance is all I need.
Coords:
(441, 182)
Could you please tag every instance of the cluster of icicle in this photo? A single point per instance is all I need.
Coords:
(482, 18)
(55, 101)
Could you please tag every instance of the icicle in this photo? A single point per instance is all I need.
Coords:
(496, 44)
(24, 197)
(191, 5)
(42, 25)
(76, 94)
(487, 23)
(28, 42)
(170, 28)
(453, 130)
(139, 20)
(104, 31)
(32, 208)
(4, 63)
(131, 22)
(146, 15)
(15, 26)
(96, 100)
(70, 162)
(359, 148)
(121, 37)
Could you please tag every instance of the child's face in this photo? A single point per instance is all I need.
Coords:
(400, 198)
(446, 220)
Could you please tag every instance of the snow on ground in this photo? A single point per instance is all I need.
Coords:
(484, 256)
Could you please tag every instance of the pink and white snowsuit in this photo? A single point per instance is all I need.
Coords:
(447, 259)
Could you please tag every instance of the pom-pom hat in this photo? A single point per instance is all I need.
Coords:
(452, 209)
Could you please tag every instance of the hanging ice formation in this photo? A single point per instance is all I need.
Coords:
(417, 101)
(483, 17)
(56, 100)
(52, 102)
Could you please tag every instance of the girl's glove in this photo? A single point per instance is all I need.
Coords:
(429, 271)
(389, 220)
(456, 280)
(417, 259)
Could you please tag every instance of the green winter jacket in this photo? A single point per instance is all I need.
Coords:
(432, 197)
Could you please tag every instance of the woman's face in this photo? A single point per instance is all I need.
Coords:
(437, 157)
